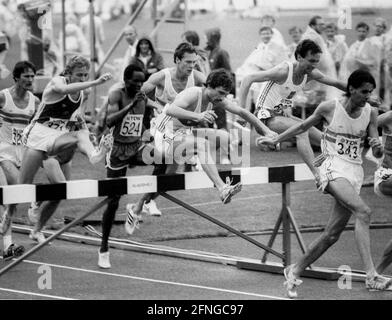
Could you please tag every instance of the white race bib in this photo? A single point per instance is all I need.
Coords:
(132, 125)
(57, 124)
(348, 147)
(17, 136)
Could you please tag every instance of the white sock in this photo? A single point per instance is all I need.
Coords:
(7, 241)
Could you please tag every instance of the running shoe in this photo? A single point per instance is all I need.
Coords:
(378, 282)
(291, 283)
(132, 220)
(151, 209)
(105, 145)
(104, 260)
(229, 191)
(13, 251)
(37, 236)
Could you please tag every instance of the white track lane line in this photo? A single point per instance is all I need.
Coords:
(202, 204)
(157, 281)
(35, 294)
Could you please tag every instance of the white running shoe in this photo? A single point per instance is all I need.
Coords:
(151, 209)
(33, 213)
(291, 283)
(37, 236)
(104, 260)
(132, 220)
(105, 145)
(377, 283)
(229, 191)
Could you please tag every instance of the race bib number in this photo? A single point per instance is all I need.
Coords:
(57, 124)
(132, 125)
(17, 136)
(283, 105)
(348, 147)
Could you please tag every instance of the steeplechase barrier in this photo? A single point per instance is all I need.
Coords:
(82, 189)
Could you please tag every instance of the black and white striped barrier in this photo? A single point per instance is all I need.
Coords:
(81, 189)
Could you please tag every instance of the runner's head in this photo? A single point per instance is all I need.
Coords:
(308, 54)
(77, 69)
(266, 34)
(362, 29)
(133, 78)
(360, 85)
(185, 58)
(219, 84)
(24, 74)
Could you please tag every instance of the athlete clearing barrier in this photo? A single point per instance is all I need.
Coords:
(280, 84)
(348, 121)
(58, 126)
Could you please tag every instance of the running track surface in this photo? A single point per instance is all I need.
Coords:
(140, 276)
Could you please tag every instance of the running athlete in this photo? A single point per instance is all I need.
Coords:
(280, 84)
(125, 120)
(167, 83)
(17, 107)
(348, 121)
(383, 178)
(58, 126)
(174, 131)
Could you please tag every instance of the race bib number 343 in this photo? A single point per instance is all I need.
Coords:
(17, 136)
(132, 125)
(348, 147)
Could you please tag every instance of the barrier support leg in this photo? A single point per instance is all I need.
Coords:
(52, 237)
(286, 219)
(219, 223)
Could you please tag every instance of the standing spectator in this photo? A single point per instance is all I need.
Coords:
(202, 64)
(362, 55)
(152, 62)
(295, 34)
(146, 53)
(379, 41)
(336, 44)
(130, 34)
(4, 46)
(268, 20)
(99, 34)
(326, 65)
(51, 58)
(219, 59)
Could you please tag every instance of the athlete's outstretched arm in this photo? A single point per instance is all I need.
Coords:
(374, 140)
(318, 76)
(261, 76)
(150, 85)
(260, 127)
(59, 86)
(301, 127)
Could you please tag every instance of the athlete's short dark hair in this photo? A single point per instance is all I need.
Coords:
(21, 67)
(362, 25)
(220, 78)
(306, 46)
(182, 49)
(358, 78)
(130, 70)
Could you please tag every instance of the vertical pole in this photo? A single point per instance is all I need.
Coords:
(63, 32)
(93, 60)
(186, 15)
(286, 224)
(154, 18)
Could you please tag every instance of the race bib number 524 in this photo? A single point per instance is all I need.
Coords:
(348, 147)
(132, 125)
